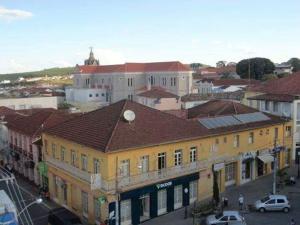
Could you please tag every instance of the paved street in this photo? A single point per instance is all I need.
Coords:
(251, 191)
(25, 194)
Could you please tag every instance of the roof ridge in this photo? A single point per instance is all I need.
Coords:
(115, 127)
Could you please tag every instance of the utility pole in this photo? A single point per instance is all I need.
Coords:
(117, 193)
(275, 166)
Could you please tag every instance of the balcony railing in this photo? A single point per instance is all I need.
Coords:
(128, 182)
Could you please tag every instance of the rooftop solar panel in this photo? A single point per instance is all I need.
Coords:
(224, 121)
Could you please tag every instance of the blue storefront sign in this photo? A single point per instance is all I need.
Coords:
(152, 191)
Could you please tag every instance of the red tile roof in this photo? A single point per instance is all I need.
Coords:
(215, 108)
(6, 111)
(274, 97)
(106, 130)
(289, 85)
(34, 124)
(157, 93)
(222, 82)
(135, 67)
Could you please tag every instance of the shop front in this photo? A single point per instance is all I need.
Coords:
(145, 203)
(247, 167)
(264, 161)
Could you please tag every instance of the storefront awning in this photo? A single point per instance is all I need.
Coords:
(267, 158)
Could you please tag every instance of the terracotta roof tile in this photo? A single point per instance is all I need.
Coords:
(135, 67)
(274, 97)
(157, 93)
(289, 85)
(106, 130)
(215, 108)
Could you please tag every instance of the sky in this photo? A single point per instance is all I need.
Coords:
(39, 34)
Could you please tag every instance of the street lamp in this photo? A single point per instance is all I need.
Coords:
(37, 201)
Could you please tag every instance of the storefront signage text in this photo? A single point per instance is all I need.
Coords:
(218, 166)
(164, 185)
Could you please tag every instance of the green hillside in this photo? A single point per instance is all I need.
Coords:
(49, 72)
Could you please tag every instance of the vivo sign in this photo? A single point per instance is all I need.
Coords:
(164, 185)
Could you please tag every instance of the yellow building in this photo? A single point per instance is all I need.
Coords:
(131, 163)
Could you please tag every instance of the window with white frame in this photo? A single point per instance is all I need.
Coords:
(275, 106)
(178, 157)
(124, 168)
(97, 210)
(84, 162)
(73, 158)
(193, 154)
(62, 153)
(193, 191)
(251, 138)
(236, 141)
(161, 202)
(177, 196)
(161, 161)
(125, 212)
(84, 203)
(53, 150)
(288, 131)
(144, 164)
(96, 166)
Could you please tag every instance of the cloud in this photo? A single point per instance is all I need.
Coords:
(13, 14)
(61, 63)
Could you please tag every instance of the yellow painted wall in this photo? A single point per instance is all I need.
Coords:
(263, 139)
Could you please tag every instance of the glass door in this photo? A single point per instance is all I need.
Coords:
(177, 196)
(145, 207)
(161, 202)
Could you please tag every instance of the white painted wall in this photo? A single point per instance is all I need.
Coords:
(29, 103)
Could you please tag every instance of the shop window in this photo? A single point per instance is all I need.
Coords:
(97, 210)
(193, 191)
(161, 160)
(84, 203)
(236, 141)
(251, 138)
(126, 212)
(193, 154)
(230, 172)
(178, 158)
(161, 202)
(177, 196)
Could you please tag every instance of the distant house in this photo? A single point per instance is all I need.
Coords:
(159, 99)
(280, 97)
(283, 69)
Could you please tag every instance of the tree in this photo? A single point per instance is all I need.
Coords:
(258, 68)
(269, 77)
(216, 192)
(295, 63)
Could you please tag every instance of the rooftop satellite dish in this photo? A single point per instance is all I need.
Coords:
(129, 115)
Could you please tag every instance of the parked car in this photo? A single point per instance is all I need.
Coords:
(226, 218)
(273, 203)
(62, 216)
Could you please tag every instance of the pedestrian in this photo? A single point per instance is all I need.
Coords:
(241, 202)
(292, 222)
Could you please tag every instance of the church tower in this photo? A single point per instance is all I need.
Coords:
(91, 61)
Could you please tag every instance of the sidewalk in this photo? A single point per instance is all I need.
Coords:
(252, 191)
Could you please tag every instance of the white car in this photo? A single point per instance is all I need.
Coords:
(273, 203)
(226, 218)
